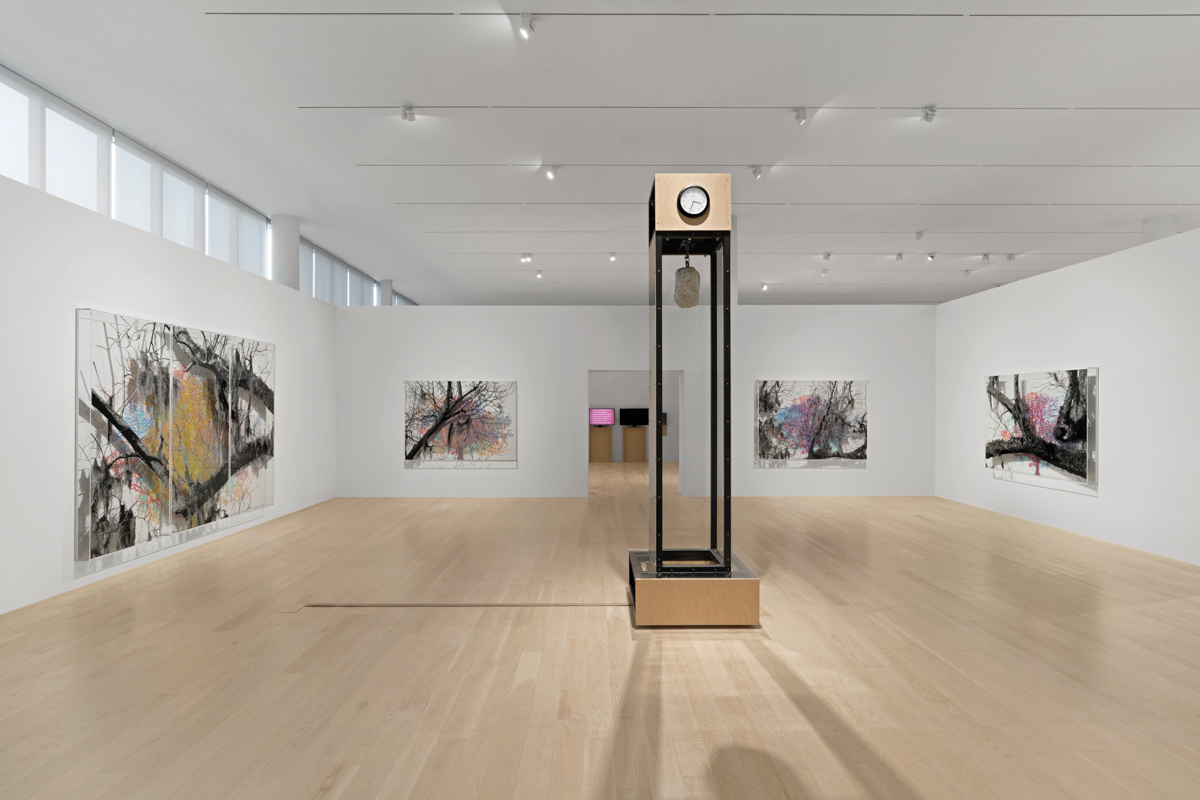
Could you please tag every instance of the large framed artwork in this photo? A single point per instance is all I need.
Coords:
(810, 424)
(175, 432)
(460, 424)
(1041, 427)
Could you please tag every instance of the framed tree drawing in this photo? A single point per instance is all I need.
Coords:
(460, 424)
(123, 423)
(810, 424)
(175, 432)
(1041, 427)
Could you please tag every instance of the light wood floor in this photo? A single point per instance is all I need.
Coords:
(910, 648)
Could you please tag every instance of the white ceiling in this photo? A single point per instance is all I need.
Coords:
(1061, 125)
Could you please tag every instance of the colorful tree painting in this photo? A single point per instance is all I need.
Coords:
(810, 421)
(124, 421)
(1037, 424)
(460, 423)
(176, 430)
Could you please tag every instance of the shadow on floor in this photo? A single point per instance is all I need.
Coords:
(744, 773)
(866, 765)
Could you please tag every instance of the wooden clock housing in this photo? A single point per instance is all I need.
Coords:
(664, 202)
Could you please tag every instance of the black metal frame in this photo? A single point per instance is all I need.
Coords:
(717, 246)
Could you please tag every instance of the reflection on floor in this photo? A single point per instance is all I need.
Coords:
(686, 520)
(910, 648)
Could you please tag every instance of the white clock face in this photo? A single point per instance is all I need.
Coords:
(693, 201)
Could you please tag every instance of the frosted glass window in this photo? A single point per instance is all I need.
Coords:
(355, 293)
(308, 267)
(218, 229)
(14, 134)
(341, 284)
(71, 166)
(252, 244)
(324, 277)
(179, 211)
(131, 183)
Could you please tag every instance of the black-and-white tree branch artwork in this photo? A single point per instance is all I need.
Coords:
(810, 424)
(1041, 425)
(460, 424)
(176, 431)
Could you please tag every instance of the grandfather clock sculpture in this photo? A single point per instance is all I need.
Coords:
(690, 216)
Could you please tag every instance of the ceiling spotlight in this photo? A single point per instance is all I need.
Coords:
(920, 235)
(539, 273)
(827, 256)
(927, 113)
(899, 256)
(801, 115)
(930, 256)
(824, 273)
(409, 114)
(756, 172)
(764, 287)
(966, 273)
(527, 25)
(526, 258)
(1012, 256)
(551, 171)
(612, 256)
(987, 257)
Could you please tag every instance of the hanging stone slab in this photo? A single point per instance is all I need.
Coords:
(687, 287)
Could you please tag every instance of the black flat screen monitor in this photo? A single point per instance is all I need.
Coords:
(633, 417)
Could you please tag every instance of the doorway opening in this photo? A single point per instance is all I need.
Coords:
(619, 443)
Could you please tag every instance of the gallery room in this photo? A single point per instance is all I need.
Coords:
(599, 400)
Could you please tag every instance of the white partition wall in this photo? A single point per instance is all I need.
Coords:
(549, 351)
(57, 257)
(1131, 314)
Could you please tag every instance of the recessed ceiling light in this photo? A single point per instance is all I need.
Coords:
(612, 256)
(827, 256)
(409, 114)
(931, 256)
(539, 273)
(764, 287)
(928, 113)
(801, 115)
(528, 26)
(756, 171)
(551, 171)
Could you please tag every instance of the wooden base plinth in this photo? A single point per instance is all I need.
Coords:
(693, 600)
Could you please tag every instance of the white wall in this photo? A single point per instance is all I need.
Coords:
(1133, 314)
(56, 257)
(546, 350)
(549, 352)
(891, 347)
